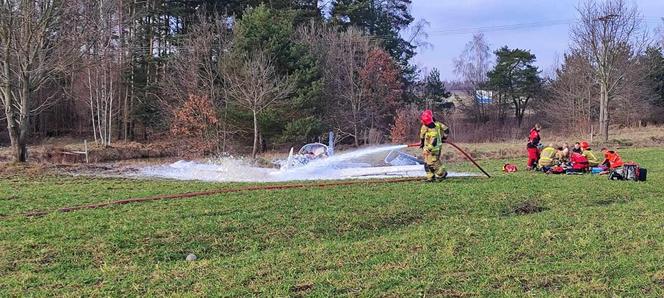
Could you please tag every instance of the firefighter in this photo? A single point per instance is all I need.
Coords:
(611, 159)
(533, 146)
(579, 162)
(432, 136)
(547, 158)
(589, 154)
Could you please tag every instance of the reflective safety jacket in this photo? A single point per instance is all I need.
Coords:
(546, 157)
(434, 137)
(613, 159)
(592, 158)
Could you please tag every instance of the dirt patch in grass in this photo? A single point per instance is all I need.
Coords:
(525, 208)
(300, 289)
(9, 170)
(658, 278)
(450, 293)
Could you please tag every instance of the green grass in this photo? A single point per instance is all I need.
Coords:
(593, 237)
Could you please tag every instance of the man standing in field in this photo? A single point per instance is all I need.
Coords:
(532, 146)
(432, 136)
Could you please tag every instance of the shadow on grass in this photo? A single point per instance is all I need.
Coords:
(610, 201)
(391, 221)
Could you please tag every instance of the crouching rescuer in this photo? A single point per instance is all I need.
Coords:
(432, 136)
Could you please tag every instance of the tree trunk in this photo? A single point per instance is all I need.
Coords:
(13, 134)
(355, 136)
(518, 113)
(255, 149)
(21, 149)
(125, 115)
(20, 152)
(604, 112)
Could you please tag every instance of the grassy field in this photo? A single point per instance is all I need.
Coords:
(518, 234)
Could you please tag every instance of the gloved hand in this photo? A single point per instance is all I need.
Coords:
(422, 144)
(426, 153)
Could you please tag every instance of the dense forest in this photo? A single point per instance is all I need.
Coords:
(248, 76)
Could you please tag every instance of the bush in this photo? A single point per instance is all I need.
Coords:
(405, 126)
(196, 120)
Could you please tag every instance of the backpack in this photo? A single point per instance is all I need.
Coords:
(509, 168)
(616, 175)
(633, 171)
(556, 170)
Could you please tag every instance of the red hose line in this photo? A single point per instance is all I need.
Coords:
(462, 152)
(214, 192)
(240, 189)
(469, 158)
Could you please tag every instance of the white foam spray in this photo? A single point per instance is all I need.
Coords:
(340, 166)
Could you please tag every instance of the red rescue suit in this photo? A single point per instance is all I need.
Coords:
(579, 162)
(533, 151)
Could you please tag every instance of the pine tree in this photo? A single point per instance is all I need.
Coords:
(383, 19)
(515, 77)
(435, 93)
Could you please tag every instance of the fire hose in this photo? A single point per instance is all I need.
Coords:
(462, 152)
(188, 195)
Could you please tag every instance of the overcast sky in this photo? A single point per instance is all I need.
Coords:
(454, 21)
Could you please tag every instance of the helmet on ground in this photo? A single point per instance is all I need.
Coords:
(585, 145)
(426, 117)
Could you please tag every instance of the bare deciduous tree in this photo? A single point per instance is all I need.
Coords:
(573, 102)
(659, 37)
(342, 56)
(199, 65)
(605, 32)
(631, 101)
(34, 47)
(347, 56)
(472, 67)
(255, 85)
(418, 36)
(100, 74)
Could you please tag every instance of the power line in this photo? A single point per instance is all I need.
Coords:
(510, 27)
(519, 26)
(459, 31)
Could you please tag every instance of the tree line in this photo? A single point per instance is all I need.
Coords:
(612, 74)
(223, 76)
(224, 73)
